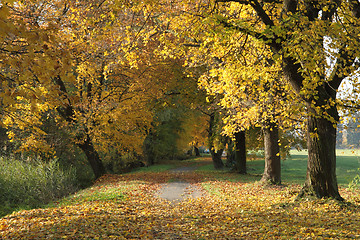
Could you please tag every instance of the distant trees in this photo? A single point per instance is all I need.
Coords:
(353, 131)
(348, 131)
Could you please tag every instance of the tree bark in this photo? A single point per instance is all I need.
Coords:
(67, 112)
(148, 148)
(92, 157)
(272, 171)
(230, 155)
(197, 152)
(321, 137)
(216, 158)
(240, 152)
(321, 179)
(215, 154)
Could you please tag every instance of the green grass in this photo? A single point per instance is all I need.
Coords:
(171, 164)
(111, 189)
(255, 169)
(91, 194)
(30, 184)
(293, 169)
(156, 168)
(347, 166)
(207, 168)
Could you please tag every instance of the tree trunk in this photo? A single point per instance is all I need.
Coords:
(215, 154)
(321, 136)
(230, 155)
(68, 113)
(149, 148)
(216, 158)
(92, 156)
(272, 171)
(197, 152)
(321, 179)
(240, 152)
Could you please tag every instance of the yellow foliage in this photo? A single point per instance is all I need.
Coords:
(89, 58)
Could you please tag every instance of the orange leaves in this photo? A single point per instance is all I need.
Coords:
(230, 210)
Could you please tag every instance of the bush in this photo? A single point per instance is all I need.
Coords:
(33, 183)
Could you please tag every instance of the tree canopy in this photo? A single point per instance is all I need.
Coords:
(103, 71)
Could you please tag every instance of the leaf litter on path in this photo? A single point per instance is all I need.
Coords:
(229, 210)
(179, 190)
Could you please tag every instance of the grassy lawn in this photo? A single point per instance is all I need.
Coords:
(294, 168)
(347, 166)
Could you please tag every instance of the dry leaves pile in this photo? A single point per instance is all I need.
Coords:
(127, 207)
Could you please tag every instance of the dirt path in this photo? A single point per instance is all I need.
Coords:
(179, 190)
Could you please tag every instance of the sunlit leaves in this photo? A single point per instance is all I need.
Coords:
(238, 68)
(128, 207)
(104, 57)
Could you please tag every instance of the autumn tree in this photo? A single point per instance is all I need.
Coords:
(239, 69)
(303, 36)
(102, 71)
(216, 142)
(315, 45)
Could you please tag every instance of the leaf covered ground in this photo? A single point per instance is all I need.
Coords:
(128, 207)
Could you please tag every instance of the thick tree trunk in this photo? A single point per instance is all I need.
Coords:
(92, 156)
(321, 169)
(216, 158)
(321, 137)
(197, 152)
(272, 171)
(240, 152)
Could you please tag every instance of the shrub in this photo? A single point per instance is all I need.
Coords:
(33, 183)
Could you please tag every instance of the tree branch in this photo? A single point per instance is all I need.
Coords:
(261, 13)
(66, 112)
(254, 34)
(344, 61)
(191, 45)
(257, 7)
